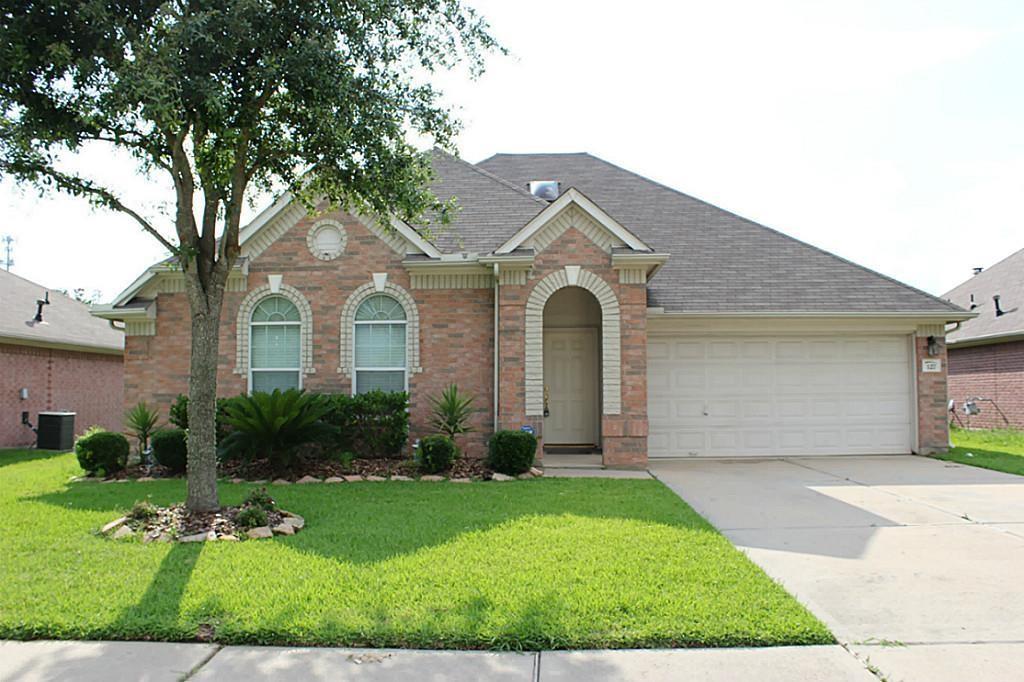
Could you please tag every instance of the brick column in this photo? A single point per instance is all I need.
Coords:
(624, 436)
(932, 413)
(512, 362)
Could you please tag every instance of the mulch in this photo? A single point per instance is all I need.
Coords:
(177, 521)
(318, 467)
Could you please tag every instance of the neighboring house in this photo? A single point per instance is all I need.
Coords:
(55, 357)
(986, 354)
(605, 312)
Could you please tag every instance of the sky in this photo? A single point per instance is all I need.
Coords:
(890, 133)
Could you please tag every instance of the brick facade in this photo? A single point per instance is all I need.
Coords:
(994, 371)
(932, 419)
(456, 329)
(623, 435)
(90, 384)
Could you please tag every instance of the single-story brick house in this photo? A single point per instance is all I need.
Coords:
(606, 311)
(55, 357)
(986, 354)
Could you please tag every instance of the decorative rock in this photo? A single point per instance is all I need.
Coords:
(116, 523)
(260, 532)
(376, 478)
(236, 479)
(122, 532)
(431, 477)
(501, 477)
(461, 480)
(525, 476)
(294, 520)
(259, 481)
(334, 479)
(228, 538)
(308, 479)
(150, 537)
(281, 481)
(399, 477)
(143, 479)
(353, 478)
(536, 472)
(199, 537)
(283, 529)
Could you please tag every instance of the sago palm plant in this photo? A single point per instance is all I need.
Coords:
(451, 412)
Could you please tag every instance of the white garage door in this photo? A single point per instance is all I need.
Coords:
(778, 395)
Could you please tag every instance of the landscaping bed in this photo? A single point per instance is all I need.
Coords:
(544, 564)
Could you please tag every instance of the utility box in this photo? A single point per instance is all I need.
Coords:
(56, 431)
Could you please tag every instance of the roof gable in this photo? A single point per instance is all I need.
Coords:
(572, 209)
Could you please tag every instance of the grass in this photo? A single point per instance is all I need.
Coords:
(1001, 450)
(559, 563)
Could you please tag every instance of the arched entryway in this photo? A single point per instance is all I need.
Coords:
(572, 370)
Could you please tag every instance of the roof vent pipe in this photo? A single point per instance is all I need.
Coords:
(977, 271)
(544, 189)
(999, 311)
(45, 300)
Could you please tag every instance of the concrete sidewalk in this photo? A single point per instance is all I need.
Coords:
(160, 662)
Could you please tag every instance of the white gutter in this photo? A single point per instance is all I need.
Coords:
(497, 294)
(951, 316)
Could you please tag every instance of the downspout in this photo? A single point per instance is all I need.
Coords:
(496, 295)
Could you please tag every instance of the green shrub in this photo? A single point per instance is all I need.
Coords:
(451, 412)
(511, 452)
(372, 424)
(436, 453)
(179, 415)
(251, 517)
(259, 497)
(344, 458)
(142, 511)
(275, 425)
(102, 452)
(170, 448)
(141, 421)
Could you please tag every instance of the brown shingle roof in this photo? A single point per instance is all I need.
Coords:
(720, 262)
(67, 322)
(1004, 279)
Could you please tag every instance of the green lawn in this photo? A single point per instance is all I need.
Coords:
(1000, 450)
(553, 563)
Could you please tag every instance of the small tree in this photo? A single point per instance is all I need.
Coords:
(141, 420)
(451, 412)
(228, 97)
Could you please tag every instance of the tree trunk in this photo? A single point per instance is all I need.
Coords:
(202, 397)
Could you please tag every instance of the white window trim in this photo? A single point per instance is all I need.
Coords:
(346, 341)
(284, 323)
(356, 368)
(243, 328)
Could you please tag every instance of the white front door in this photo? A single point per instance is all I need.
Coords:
(778, 395)
(570, 385)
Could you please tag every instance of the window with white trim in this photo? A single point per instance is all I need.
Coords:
(380, 348)
(275, 345)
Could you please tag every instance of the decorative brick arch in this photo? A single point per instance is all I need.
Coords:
(412, 325)
(611, 343)
(245, 310)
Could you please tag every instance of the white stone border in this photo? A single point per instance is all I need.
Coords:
(249, 304)
(315, 230)
(611, 342)
(412, 326)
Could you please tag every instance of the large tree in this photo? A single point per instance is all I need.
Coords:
(231, 98)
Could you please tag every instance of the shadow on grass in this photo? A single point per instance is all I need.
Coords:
(18, 456)
(995, 460)
(157, 612)
(371, 522)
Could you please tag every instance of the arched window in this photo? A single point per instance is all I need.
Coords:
(380, 351)
(275, 345)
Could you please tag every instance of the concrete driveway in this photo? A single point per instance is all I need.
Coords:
(916, 564)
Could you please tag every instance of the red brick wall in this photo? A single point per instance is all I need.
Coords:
(90, 384)
(455, 330)
(993, 371)
(623, 436)
(932, 421)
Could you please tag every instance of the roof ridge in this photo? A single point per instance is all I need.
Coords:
(491, 176)
(950, 305)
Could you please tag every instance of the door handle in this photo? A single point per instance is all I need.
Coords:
(547, 396)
